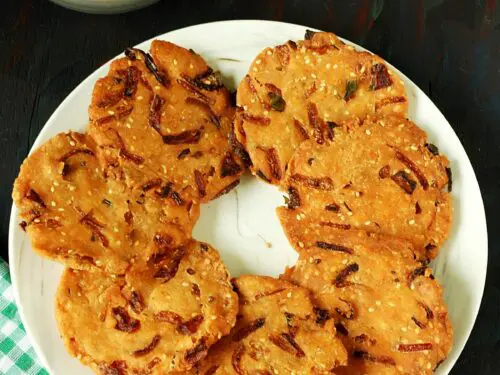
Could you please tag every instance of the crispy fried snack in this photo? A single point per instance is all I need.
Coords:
(155, 320)
(303, 90)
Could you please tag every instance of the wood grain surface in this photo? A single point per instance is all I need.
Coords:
(450, 48)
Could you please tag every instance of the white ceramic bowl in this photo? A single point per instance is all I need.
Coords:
(242, 224)
(104, 6)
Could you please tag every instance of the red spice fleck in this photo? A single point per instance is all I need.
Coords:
(389, 100)
(317, 124)
(95, 227)
(300, 129)
(151, 184)
(340, 279)
(287, 343)
(334, 247)
(129, 217)
(149, 348)
(124, 322)
(229, 166)
(323, 183)
(155, 112)
(414, 347)
(136, 302)
(32, 195)
(197, 353)
(227, 189)
(335, 225)
(115, 368)
(199, 179)
(321, 316)
(185, 137)
(274, 163)
(283, 54)
(188, 84)
(404, 182)
(384, 172)
(263, 121)
(195, 290)
(250, 328)
(191, 326)
(293, 198)
(168, 317)
(413, 167)
(380, 77)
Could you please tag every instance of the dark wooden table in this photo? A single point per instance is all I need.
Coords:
(450, 48)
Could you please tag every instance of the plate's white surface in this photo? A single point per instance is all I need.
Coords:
(242, 224)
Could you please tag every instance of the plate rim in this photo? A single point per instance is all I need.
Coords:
(41, 135)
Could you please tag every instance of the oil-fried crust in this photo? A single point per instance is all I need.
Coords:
(389, 310)
(380, 177)
(278, 330)
(151, 321)
(74, 215)
(165, 116)
(303, 90)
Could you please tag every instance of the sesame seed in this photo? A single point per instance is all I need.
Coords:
(301, 244)
(255, 69)
(140, 97)
(349, 213)
(191, 66)
(368, 222)
(175, 62)
(52, 189)
(258, 62)
(269, 52)
(335, 66)
(298, 217)
(346, 113)
(362, 69)
(72, 143)
(289, 294)
(411, 222)
(53, 204)
(378, 303)
(313, 75)
(157, 87)
(352, 74)
(371, 309)
(368, 132)
(185, 284)
(328, 66)
(111, 112)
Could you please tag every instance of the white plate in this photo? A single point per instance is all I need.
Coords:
(242, 224)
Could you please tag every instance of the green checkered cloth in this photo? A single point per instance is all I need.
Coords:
(17, 356)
